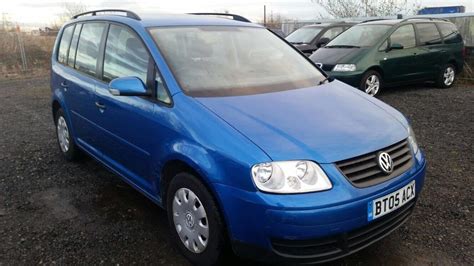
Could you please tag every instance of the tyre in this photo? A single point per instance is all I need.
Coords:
(371, 83)
(66, 143)
(195, 222)
(447, 76)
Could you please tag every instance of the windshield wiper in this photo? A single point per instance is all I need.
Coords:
(328, 78)
(342, 46)
(297, 42)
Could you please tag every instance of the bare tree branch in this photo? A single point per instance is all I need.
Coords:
(369, 8)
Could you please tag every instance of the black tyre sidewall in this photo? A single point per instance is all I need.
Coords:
(73, 152)
(440, 81)
(217, 243)
(364, 79)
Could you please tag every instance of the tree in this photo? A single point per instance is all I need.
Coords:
(368, 8)
(69, 10)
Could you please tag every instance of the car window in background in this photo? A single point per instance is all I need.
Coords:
(360, 36)
(405, 35)
(222, 61)
(428, 33)
(64, 44)
(73, 47)
(303, 35)
(450, 33)
(88, 47)
(332, 32)
(125, 55)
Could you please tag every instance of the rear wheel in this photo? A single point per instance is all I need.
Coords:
(447, 76)
(66, 143)
(371, 83)
(196, 225)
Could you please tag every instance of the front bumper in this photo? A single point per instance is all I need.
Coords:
(351, 78)
(326, 223)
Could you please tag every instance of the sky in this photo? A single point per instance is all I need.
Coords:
(42, 13)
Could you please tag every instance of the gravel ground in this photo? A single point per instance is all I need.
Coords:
(53, 211)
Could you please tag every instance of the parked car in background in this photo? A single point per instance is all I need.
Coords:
(309, 38)
(200, 115)
(383, 53)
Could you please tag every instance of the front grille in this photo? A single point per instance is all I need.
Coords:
(364, 171)
(334, 247)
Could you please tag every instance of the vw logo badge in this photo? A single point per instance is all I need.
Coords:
(385, 162)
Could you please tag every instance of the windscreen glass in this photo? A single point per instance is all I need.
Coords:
(212, 61)
(303, 35)
(360, 36)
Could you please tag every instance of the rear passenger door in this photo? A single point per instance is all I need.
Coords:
(128, 124)
(77, 77)
(431, 50)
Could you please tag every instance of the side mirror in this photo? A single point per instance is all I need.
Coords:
(322, 42)
(395, 46)
(128, 86)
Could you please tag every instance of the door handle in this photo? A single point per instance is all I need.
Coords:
(100, 105)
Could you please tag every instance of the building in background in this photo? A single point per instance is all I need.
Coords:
(442, 10)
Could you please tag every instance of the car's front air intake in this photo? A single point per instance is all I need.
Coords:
(364, 171)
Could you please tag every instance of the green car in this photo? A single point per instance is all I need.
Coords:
(382, 53)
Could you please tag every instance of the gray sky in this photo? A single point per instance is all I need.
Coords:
(44, 12)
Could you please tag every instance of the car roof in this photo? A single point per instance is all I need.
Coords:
(157, 20)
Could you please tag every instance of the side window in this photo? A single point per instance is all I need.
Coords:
(125, 55)
(405, 35)
(450, 33)
(88, 47)
(72, 50)
(161, 92)
(64, 44)
(332, 32)
(428, 33)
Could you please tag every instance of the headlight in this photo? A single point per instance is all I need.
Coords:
(412, 140)
(344, 67)
(290, 177)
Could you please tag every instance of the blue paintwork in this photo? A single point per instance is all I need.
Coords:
(221, 138)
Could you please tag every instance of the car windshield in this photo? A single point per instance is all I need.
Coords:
(303, 35)
(212, 61)
(359, 36)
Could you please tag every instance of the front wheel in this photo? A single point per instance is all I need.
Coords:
(447, 76)
(371, 83)
(195, 222)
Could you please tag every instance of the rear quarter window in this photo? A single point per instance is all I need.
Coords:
(64, 44)
(88, 48)
(450, 33)
(428, 33)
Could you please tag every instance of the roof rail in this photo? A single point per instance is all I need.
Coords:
(128, 13)
(427, 18)
(233, 16)
(375, 19)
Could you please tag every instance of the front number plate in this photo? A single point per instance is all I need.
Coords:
(388, 203)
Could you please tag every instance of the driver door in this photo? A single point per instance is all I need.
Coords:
(400, 65)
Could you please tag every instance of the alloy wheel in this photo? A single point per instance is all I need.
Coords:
(448, 76)
(372, 85)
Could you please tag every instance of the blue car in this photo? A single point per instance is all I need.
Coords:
(241, 139)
